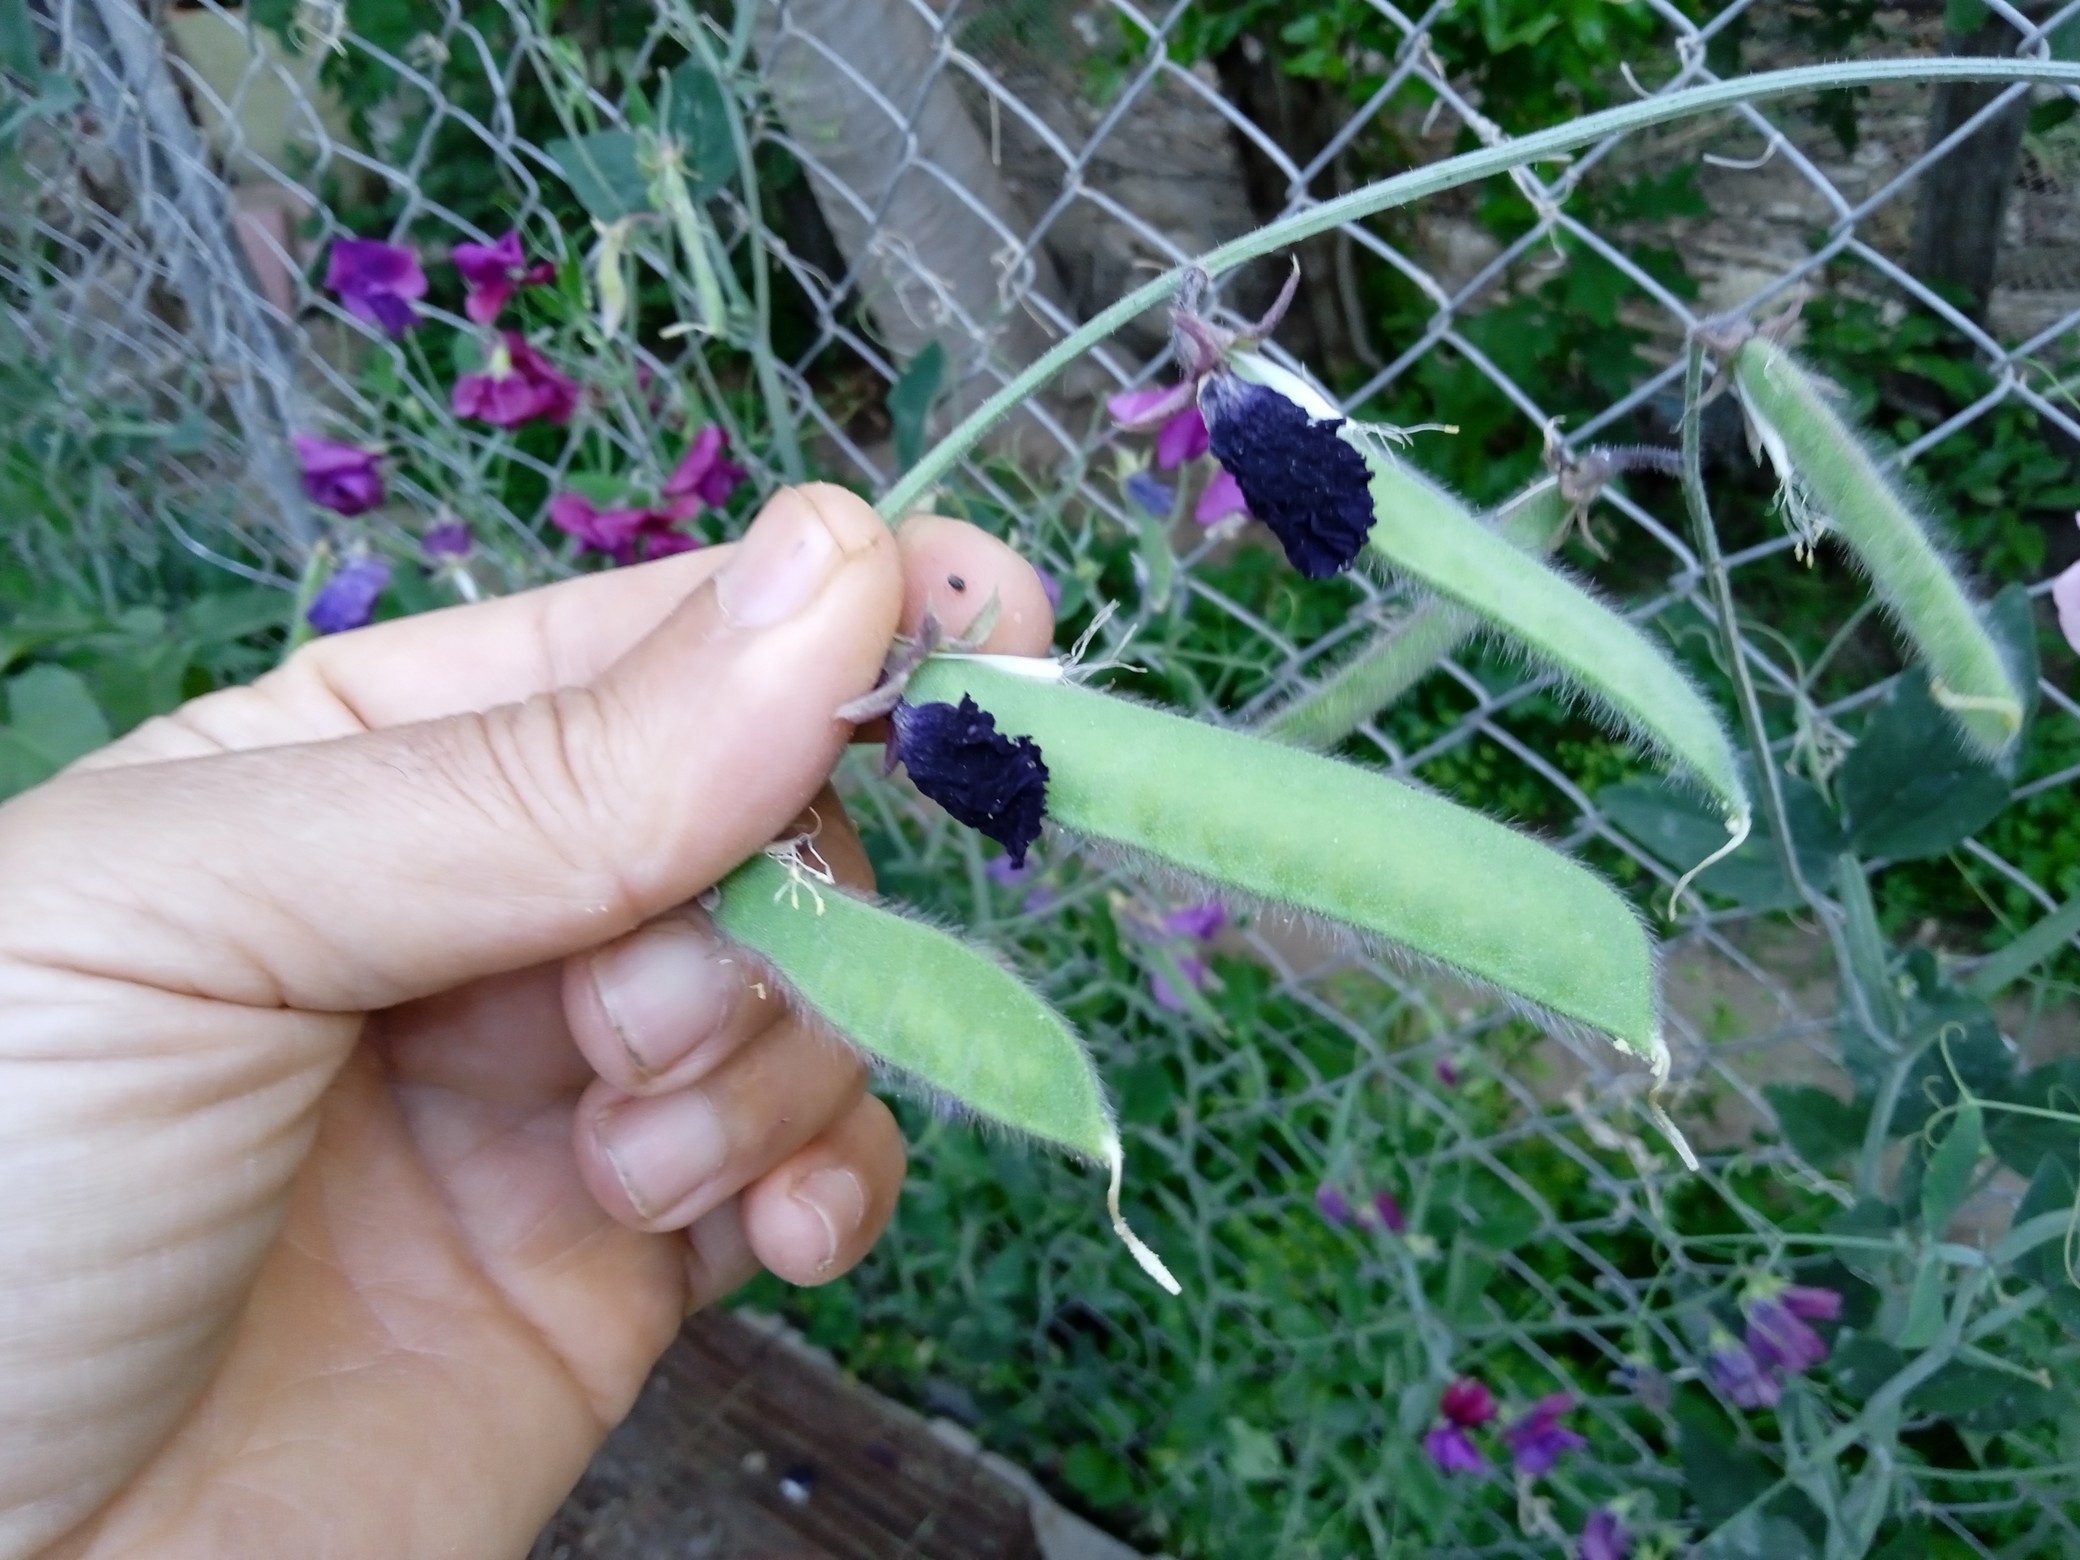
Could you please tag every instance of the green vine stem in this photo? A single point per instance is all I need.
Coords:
(910, 490)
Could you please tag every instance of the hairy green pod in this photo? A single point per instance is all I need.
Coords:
(1406, 652)
(1815, 450)
(1423, 532)
(935, 1010)
(1398, 864)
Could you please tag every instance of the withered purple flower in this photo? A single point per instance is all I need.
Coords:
(492, 273)
(1538, 1440)
(344, 478)
(1467, 1403)
(986, 780)
(1310, 486)
(378, 282)
(349, 598)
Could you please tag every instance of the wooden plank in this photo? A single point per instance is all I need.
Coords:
(745, 1446)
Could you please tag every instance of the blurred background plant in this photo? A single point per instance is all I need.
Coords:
(769, 240)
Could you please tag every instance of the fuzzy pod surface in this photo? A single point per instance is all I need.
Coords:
(1969, 674)
(1425, 533)
(1298, 830)
(1405, 652)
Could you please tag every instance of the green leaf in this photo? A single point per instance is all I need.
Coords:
(697, 114)
(2024, 1142)
(911, 398)
(2054, 1189)
(21, 765)
(2045, 940)
(1861, 1365)
(19, 54)
(1965, 17)
(605, 172)
(1923, 1323)
(51, 710)
(1949, 1176)
(1819, 1126)
(1958, 1037)
(1977, 1397)
(1909, 788)
(1254, 1456)
(1680, 831)
(1723, 1476)
(225, 617)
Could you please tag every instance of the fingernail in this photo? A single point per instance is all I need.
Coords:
(780, 566)
(839, 1202)
(663, 1151)
(664, 991)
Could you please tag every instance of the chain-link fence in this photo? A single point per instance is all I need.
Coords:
(916, 197)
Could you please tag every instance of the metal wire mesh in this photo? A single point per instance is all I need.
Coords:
(983, 176)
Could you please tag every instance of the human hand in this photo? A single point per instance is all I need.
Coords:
(371, 1108)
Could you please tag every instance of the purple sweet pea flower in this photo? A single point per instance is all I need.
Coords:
(1154, 409)
(705, 476)
(1052, 587)
(1778, 1336)
(629, 535)
(1203, 922)
(1332, 1205)
(1001, 872)
(517, 387)
(1222, 498)
(492, 273)
(1810, 1303)
(1447, 1072)
(1198, 976)
(1538, 1440)
(1151, 495)
(378, 282)
(1467, 1403)
(447, 544)
(349, 598)
(986, 780)
(1739, 1375)
(1386, 1207)
(1183, 438)
(1452, 1451)
(1311, 487)
(344, 478)
(1604, 1537)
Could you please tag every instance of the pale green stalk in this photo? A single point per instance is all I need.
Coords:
(1407, 651)
(1417, 183)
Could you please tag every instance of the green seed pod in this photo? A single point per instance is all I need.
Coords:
(1406, 652)
(1425, 533)
(1822, 461)
(940, 1014)
(1402, 867)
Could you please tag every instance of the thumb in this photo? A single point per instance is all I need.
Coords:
(354, 874)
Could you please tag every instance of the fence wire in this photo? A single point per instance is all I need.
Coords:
(979, 178)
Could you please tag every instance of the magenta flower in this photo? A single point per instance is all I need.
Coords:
(1467, 1403)
(1538, 1440)
(1739, 1375)
(1386, 1207)
(344, 478)
(377, 282)
(349, 598)
(492, 273)
(1778, 1336)
(956, 756)
(518, 386)
(628, 535)
(1453, 1452)
(1222, 498)
(2065, 595)
(1604, 1537)
(1332, 1205)
(450, 543)
(705, 476)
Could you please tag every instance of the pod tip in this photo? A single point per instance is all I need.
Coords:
(1151, 1264)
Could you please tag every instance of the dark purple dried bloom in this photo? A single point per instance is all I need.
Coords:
(1332, 1205)
(518, 386)
(1151, 494)
(957, 757)
(1386, 1207)
(450, 543)
(1202, 922)
(349, 598)
(1538, 1440)
(1738, 1374)
(1780, 1341)
(1452, 1450)
(1604, 1537)
(344, 478)
(1312, 488)
(492, 273)
(378, 282)
(1467, 1403)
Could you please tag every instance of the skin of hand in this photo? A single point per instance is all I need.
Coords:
(372, 1104)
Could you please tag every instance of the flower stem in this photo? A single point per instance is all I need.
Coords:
(910, 489)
